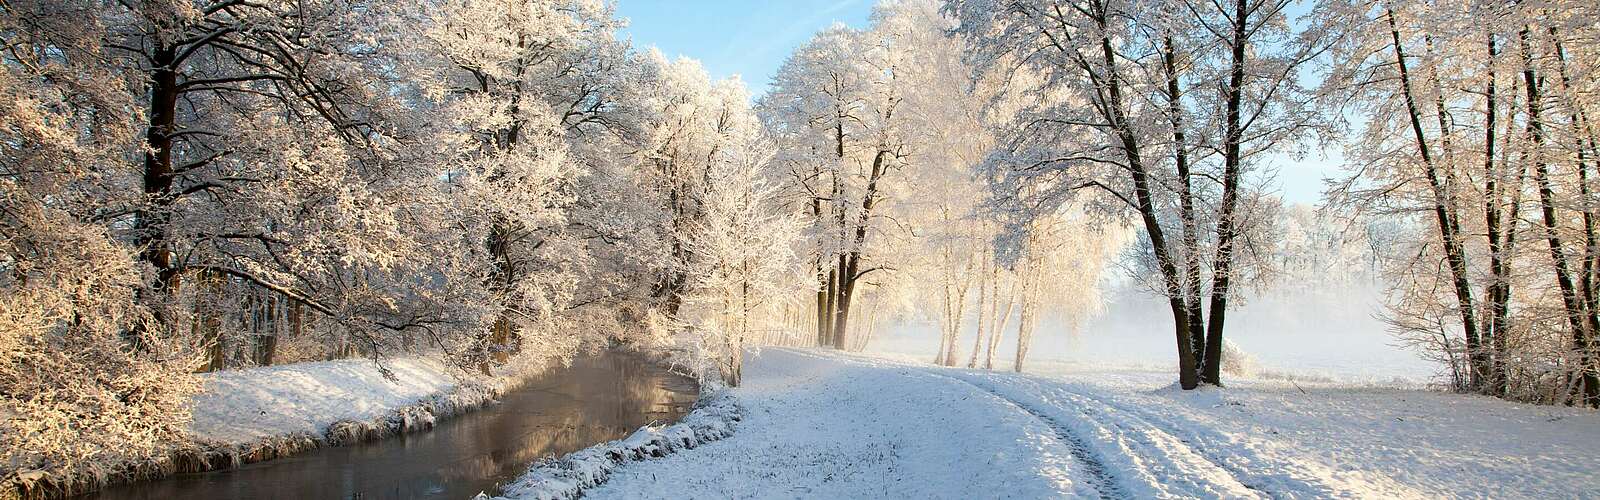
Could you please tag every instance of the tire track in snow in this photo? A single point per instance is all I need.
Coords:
(1145, 425)
(1096, 411)
(1270, 477)
(1100, 478)
(1099, 475)
(1166, 428)
(1176, 448)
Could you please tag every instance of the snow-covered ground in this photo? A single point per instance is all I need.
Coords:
(827, 425)
(241, 406)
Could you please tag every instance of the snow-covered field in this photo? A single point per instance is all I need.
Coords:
(828, 425)
(240, 406)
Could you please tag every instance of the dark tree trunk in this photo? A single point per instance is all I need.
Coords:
(829, 300)
(502, 332)
(1591, 257)
(267, 335)
(824, 289)
(1144, 199)
(151, 231)
(1478, 367)
(1222, 267)
(1191, 236)
(211, 322)
(823, 293)
(830, 307)
(850, 263)
(297, 319)
(1444, 214)
(1509, 242)
(1499, 290)
(1589, 383)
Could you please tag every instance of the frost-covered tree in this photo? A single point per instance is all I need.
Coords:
(73, 394)
(187, 181)
(703, 164)
(937, 197)
(834, 109)
(212, 141)
(746, 270)
(1059, 261)
(1166, 109)
(1477, 130)
(512, 88)
(696, 127)
(879, 130)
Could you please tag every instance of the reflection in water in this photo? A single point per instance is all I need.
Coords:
(598, 399)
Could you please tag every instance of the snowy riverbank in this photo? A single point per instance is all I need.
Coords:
(241, 406)
(569, 477)
(822, 424)
(263, 413)
(255, 414)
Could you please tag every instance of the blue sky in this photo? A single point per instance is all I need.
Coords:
(749, 38)
(752, 38)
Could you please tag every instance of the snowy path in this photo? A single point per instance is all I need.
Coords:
(830, 425)
(1104, 483)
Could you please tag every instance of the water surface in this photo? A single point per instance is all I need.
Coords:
(598, 399)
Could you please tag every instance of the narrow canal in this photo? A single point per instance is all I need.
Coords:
(597, 399)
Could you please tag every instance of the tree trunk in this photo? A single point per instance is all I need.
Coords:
(736, 350)
(859, 342)
(675, 281)
(983, 295)
(1024, 333)
(1499, 289)
(851, 268)
(267, 336)
(956, 320)
(1477, 364)
(823, 290)
(211, 322)
(151, 223)
(847, 288)
(1227, 229)
(501, 332)
(1191, 237)
(823, 295)
(1589, 383)
(827, 316)
(1027, 318)
(1455, 255)
(944, 326)
(829, 307)
(1144, 199)
(1591, 257)
(999, 329)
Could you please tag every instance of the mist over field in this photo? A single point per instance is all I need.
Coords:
(1337, 335)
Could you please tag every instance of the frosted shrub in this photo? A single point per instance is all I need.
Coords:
(77, 395)
(1235, 361)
